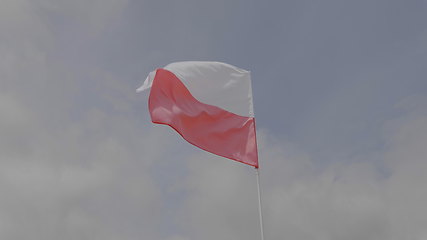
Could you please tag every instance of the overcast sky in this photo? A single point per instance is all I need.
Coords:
(340, 97)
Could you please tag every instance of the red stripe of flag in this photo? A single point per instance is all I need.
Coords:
(208, 127)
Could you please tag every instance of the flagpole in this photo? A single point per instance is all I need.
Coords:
(259, 204)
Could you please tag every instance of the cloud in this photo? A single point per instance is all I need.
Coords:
(348, 200)
(355, 200)
(70, 168)
(81, 160)
(94, 16)
(85, 178)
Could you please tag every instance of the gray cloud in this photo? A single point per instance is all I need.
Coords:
(341, 201)
(339, 96)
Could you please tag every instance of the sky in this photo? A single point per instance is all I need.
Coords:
(340, 98)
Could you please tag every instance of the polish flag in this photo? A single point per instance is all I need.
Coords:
(209, 104)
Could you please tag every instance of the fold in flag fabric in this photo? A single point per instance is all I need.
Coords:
(209, 104)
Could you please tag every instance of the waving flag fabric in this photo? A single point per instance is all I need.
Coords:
(209, 104)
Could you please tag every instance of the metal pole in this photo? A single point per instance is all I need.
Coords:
(259, 204)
